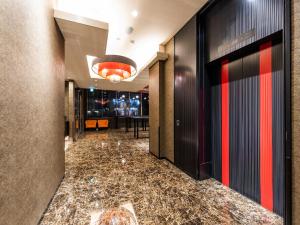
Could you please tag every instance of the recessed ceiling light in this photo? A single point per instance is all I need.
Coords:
(134, 13)
(129, 30)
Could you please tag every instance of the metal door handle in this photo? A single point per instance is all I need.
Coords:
(177, 123)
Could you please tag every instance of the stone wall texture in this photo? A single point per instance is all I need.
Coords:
(167, 104)
(31, 110)
(295, 8)
(154, 119)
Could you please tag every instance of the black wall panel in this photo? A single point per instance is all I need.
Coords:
(278, 128)
(231, 25)
(186, 99)
(244, 126)
(215, 122)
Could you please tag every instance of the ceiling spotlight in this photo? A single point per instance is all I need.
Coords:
(134, 13)
(129, 30)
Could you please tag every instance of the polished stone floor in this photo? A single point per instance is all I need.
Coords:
(111, 179)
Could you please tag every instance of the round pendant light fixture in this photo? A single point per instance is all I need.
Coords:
(114, 67)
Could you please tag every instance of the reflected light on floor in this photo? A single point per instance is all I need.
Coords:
(68, 142)
(123, 215)
(103, 136)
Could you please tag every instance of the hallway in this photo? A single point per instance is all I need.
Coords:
(106, 170)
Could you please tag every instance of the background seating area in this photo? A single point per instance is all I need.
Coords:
(94, 124)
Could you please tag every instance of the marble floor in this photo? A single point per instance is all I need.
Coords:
(111, 179)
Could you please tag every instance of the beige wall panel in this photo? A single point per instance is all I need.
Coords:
(71, 103)
(31, 110)
(67, 101)
(167, 115)
(154, 108)
(296, 109)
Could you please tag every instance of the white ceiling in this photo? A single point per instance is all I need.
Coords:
(156, 23)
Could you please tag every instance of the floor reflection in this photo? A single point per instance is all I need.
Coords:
(110, 175)
(122, 215)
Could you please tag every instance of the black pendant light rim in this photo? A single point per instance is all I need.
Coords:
(117, 59)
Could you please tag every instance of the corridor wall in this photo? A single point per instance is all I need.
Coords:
(31, 110)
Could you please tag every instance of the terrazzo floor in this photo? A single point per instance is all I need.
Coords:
(111, 179)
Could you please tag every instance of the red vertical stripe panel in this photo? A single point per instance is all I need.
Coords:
(266, 174)
(225, 122)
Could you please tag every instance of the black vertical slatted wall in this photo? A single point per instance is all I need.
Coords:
(244, 123)
(215, 123)
(278, 128)
(234, 30)
(242, 22)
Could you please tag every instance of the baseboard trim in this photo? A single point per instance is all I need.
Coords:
(161, 158)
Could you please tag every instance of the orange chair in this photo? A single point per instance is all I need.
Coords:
(102, 123)
(91, 124)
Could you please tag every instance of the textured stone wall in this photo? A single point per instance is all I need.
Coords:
(31, 110)
(167, 106)
(71, 106)
(296, 109)
(154, 108)
(67, 101)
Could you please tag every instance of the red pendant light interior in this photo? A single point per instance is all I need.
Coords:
(114, 67)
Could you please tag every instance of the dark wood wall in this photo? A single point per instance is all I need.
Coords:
(186, 99)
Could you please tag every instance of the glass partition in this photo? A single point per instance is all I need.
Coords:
(105, 103)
